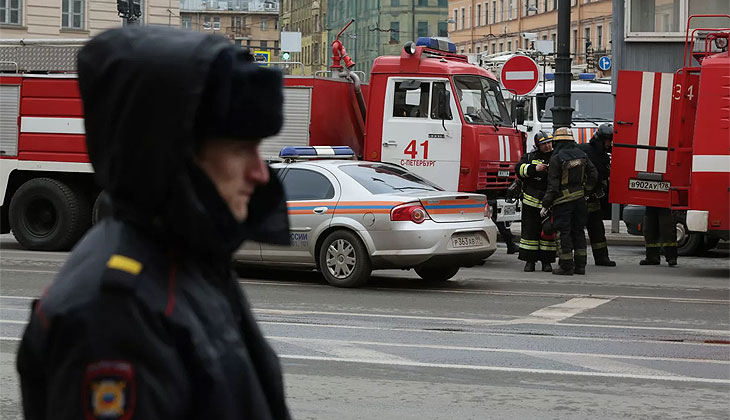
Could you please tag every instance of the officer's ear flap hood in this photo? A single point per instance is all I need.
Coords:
(151, 95)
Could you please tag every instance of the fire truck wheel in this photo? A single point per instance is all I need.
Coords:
(435, 274)
(48, 215)
(344, 260)
(688, 244)
(102, 207)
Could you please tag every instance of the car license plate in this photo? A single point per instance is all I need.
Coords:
(639, 184)
(502, 173)
(466, 241)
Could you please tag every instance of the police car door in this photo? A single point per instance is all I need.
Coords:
(413, 135)
(311, 196)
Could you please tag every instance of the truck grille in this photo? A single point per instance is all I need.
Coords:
(489, 178)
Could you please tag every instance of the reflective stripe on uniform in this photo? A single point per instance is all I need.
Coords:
(523, 169)
(669, 244)
(126, 264)
(599, 245)
(548, 245)
(580, 252)
(568, 196)
(531, 201)
(653, 245)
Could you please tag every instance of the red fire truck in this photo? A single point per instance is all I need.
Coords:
(672, 136)
(428, 110)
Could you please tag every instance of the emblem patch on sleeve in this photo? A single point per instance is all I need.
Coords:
(109, 390)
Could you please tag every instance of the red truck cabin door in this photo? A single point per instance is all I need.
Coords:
(640, 164)
(413, 136)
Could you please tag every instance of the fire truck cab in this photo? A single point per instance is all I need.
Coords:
(672, 136)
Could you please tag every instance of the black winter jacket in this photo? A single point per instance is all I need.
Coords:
(571, 174)
(600, 159)
(146, 320)
(534, 182)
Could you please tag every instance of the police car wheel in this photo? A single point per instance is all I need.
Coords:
(48, 215)
(343, 260)
(431, 273)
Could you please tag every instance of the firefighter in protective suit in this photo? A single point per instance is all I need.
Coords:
(659, 232)
(147, 320)
(532, 169)
(598, 150)
(570, 175)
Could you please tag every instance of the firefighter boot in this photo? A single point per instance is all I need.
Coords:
(547, 267)
(671, 254)
(652, 256)
(565, 268)
(600, 256)
(529, 267)
(580, 264)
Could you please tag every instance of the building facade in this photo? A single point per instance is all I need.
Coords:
(251, 24)
(309, 17)
(496, 26)
(54, 19)
(649, 34)
(382, 27)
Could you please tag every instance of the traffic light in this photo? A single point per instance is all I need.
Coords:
(123, 8)
(136, 8)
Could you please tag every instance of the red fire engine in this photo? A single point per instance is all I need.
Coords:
(672, 145)
(428, 110)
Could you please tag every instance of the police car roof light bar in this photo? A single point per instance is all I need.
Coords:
(436, 44)
(316, 152)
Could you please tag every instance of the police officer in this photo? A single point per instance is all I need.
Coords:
(598, 150)
(570, 175)
(659, 232)
(146, 320)
(532, 169)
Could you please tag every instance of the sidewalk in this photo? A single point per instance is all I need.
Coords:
(620, 238)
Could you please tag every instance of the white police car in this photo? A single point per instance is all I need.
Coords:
(349, 217)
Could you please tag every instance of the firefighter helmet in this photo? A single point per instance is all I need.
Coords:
(563, 134)
(542, 137)
(604, 132)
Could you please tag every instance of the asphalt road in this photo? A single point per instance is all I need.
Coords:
(494, 343)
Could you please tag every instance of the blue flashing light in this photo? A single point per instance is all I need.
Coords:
(549, 76)
(586, 76)
(316, 152)
(436, 44)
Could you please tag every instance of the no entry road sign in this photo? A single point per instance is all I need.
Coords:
(519, 75)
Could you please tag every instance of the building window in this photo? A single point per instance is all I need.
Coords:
(667, 19)
(10, 12)
(587, 41)
(501, 46)
(501, 10)
(509, 17)
(463, 19)
(72, 16)
(422, 29)
(423, 2)
(186, 22)
(553, 37)
(443, 29)
(217, 23)
(486, 13)
(509, 45)
(394, 32)
(443, 3)
(264, 44)
(479, 14)
(478, 49)
(263, 24)
(494, 11)
(494, 47)
(599, 36)
(545, 6)
(575, 42)
(456, 19)
(648, 16)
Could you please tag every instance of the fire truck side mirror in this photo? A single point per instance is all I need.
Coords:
(444, 105)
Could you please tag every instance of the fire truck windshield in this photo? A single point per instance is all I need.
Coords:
(481, 101)
(588, 106)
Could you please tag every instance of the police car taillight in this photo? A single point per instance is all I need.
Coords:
(409, 212)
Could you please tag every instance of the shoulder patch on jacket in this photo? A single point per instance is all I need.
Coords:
(126, 264)
(109, 390)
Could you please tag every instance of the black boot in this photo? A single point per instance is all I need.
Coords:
(529, 267)
(605, 262)
(547, 267)
(653, 257)
(580, 261)
(649, 261)
(671, 255)
(565, 268)
(579, 270)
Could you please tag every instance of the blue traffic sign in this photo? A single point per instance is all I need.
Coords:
(604, 63)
